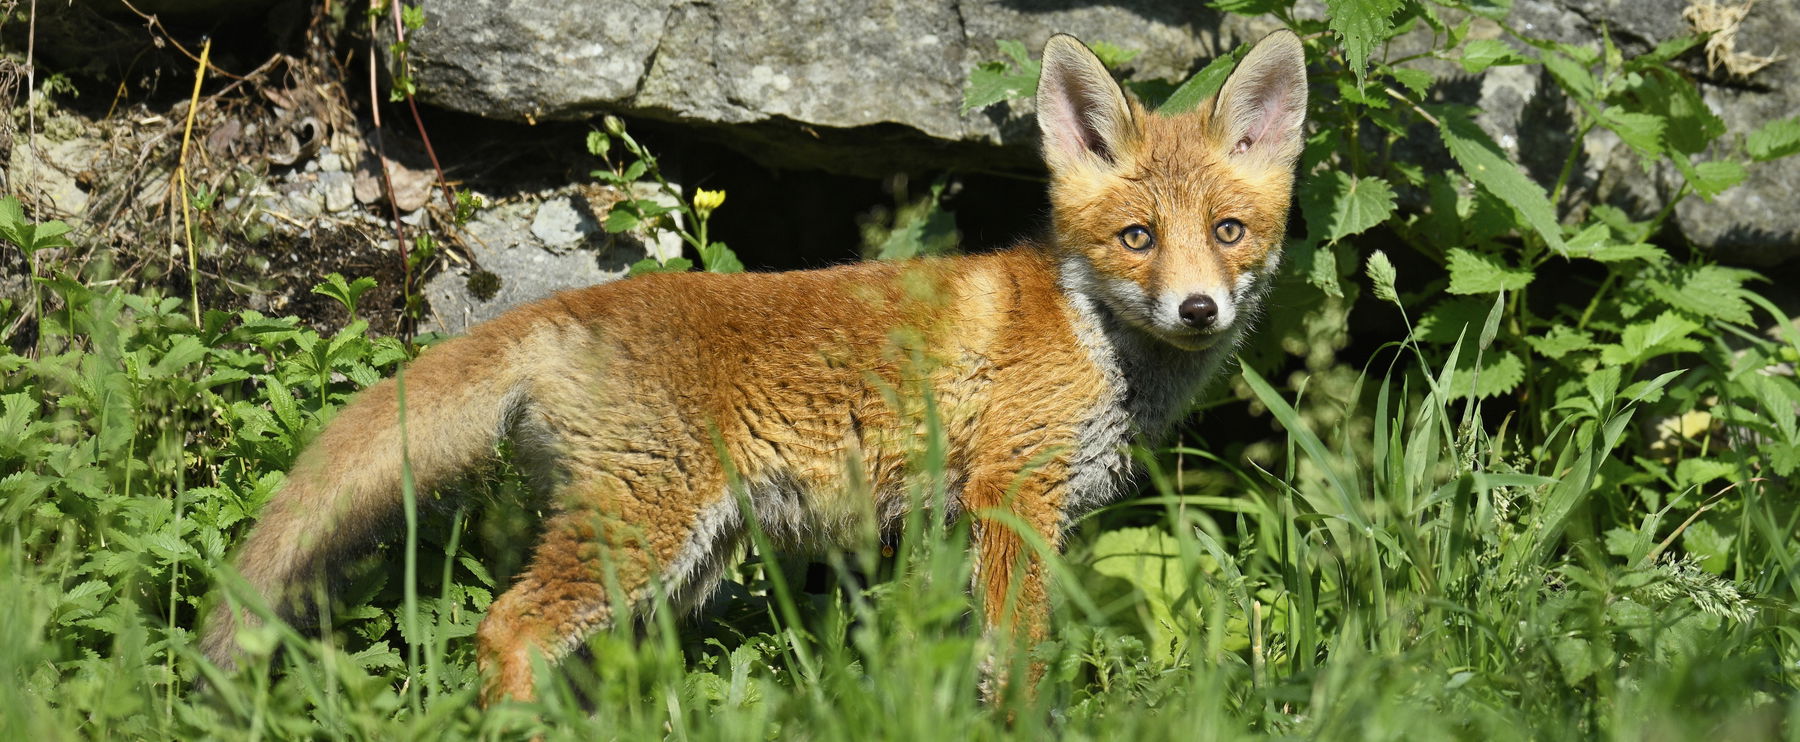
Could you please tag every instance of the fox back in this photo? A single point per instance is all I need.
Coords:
(665, 414)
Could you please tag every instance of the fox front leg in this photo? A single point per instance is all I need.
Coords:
(1018, 522)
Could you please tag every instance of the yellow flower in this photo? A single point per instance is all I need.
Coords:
(705, 201)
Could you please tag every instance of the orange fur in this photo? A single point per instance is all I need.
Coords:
(656, 410)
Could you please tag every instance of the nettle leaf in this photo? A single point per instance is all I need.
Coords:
(1338, 205)
(1417, 81)
(1250, 7)
(1362, 24)
(1708, 291)
(1711, 178)
(1692, 472)
(1499, 373)
(1642, 131)
(1111, 55)
(1571, 74)
(1489, 167)
(1691, 124)
(1596, 243)
(1204, 83)
(1560, 341)
(1475, 273)
(1775, 139)
(992, 82)
(1451, 319)
(1666, 334)
(1481, 54)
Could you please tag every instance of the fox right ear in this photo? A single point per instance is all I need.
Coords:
(1262, 107)
(1080, 110)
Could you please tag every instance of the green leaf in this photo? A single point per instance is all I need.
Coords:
(1113, 56)
(1664, 52)
(620, 219)
(1575, 657)
(1416, 81)
(1485, 164)
(1696, 471)
(1204, 83)
(649, 265)
(1149, 559)
(1450, 319)
(1338, 205)
(1596, 243)
(1362, 25)
(1499, 373)
(1775, 139)
(1318, 264)
(1668, 333)
(1560, 341)
(1250, 7)
(1691, 124)
(1707, 291)
(718, 258)
(345, 292)
(1475, 273)
(1643, 131)
(1712, 178)
(992, 82)
(1702, 539)
(1572, 75)
(1491, 9)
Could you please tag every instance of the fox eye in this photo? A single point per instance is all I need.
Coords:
(1229, 231)
(1136, 237)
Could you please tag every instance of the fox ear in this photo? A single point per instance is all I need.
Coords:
(1080, 110)
(1263, 104)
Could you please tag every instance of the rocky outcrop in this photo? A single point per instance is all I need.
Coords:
(866, 87)
(870, 88)
(1754, 223)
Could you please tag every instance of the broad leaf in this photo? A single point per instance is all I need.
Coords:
(1204, 83)
(1778, 138)
(1475, 273)
(992, 82)
(1489, 167)
(1338, 205)
(1481, 54)
(1362, 24)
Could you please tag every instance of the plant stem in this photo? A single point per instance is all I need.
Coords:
(187, 226)
(1568, 168)
(1594, 303)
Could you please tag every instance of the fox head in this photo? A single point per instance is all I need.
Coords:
(1174, 223)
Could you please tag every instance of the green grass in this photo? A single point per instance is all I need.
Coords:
(1410, 574)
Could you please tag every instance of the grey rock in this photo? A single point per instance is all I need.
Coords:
(504, 241)
(564, 222)
(1753, 223)
(48, 169)
(875, 87)
(339, 189)
(867, 88)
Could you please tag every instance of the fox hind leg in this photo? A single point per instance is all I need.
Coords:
(587, 556)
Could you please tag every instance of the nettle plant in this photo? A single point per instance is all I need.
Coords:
(1582, 303)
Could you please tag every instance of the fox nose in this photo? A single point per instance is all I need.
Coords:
(1199, 311)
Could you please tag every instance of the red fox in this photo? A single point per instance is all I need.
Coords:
(663, 413)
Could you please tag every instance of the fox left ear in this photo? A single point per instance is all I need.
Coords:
(1262, 106)
(1081, 112)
